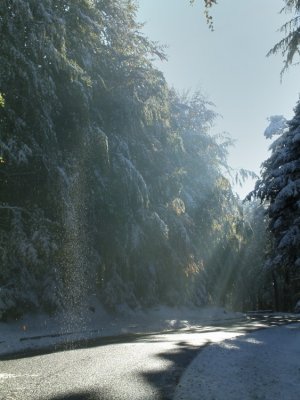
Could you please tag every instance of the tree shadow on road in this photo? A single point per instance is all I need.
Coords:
(167, 380)
(80, 395)
(255, 322)
(163, 381)
(174, 360)
(84, 395)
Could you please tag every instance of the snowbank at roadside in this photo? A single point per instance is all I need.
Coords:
(263, 365)
(40, 331)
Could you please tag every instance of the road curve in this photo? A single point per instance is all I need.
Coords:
(146, 366)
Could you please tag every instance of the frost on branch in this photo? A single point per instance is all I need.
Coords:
(277, 125)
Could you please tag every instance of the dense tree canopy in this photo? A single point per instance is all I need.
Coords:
(111, 182)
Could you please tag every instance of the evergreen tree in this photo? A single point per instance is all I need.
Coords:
(279, 188)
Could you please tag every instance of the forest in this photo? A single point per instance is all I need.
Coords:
(113, 184)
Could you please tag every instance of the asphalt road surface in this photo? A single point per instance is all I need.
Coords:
(144, 366)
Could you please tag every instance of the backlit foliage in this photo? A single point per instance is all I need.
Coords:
(111, 183)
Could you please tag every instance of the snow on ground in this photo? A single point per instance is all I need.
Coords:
(40, 331)
(264, 365)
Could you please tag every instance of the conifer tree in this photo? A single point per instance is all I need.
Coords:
(279, 188)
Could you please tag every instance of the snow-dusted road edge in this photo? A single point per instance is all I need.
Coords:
(38, 332)
(264, 365)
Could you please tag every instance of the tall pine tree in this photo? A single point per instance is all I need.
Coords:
(279, 188)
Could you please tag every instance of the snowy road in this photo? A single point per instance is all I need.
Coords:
(145, 366)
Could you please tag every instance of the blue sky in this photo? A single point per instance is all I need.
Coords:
(228, 65)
